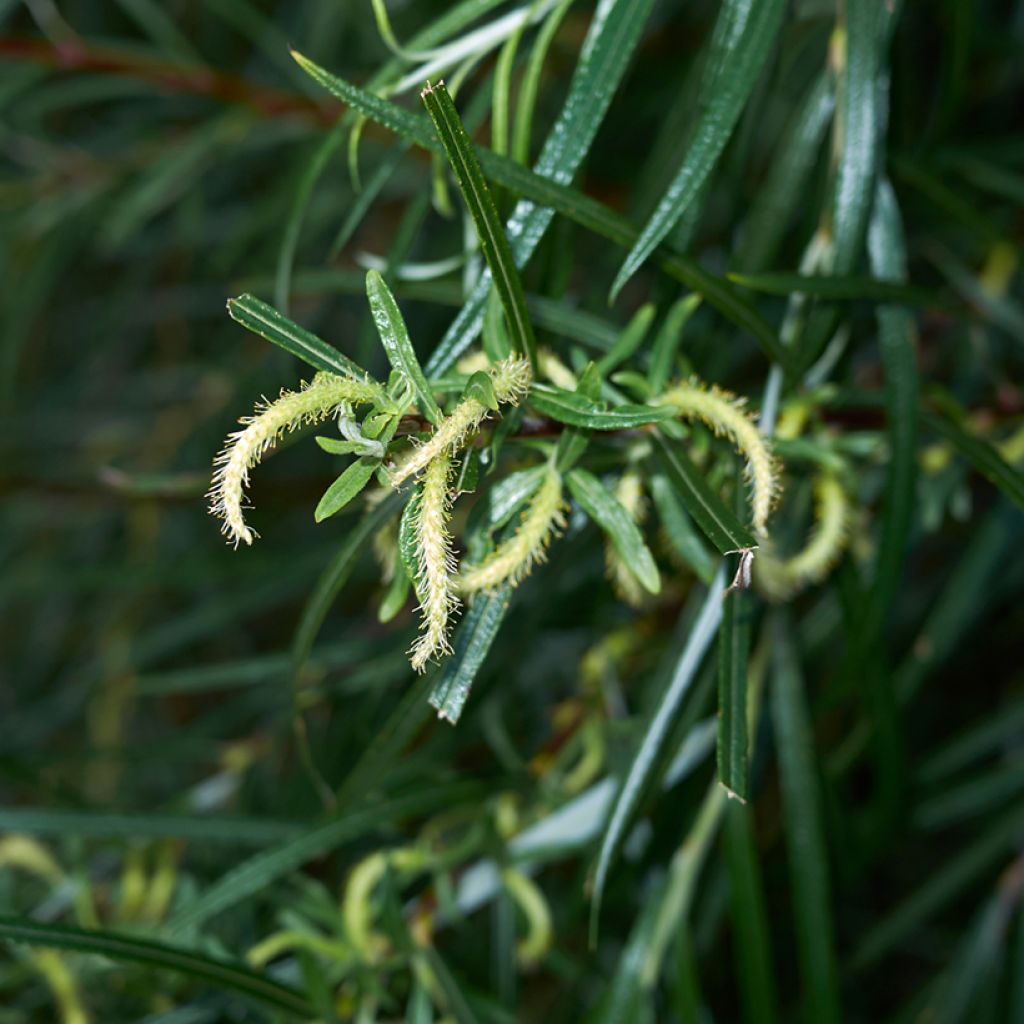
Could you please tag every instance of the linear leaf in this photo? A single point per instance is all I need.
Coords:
(579, 411)
(473, 640)
(667, 342)
(631, 338)
(221, 974)
(855, 130)
(850, 288)
(733, 649)
(754, 968)
(348, 486)
(742, 40)
(782, 191)
(805, 843)
(982, 455)
(394, 336)
(639, 777)
(897, 343)
(601, 505)
(229, 829)
(715, 519)
(267, 322)
(493, 240)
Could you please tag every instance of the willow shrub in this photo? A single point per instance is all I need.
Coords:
(634, 633)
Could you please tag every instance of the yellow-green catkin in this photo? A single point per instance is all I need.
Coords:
(314, 402)
(555, 370)
(438, 602)
(514, 559)
(779, 579)
(723, 412)
(511, 379)
(629, 493)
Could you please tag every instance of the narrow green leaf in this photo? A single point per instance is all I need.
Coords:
(897, 343)
(526, 102)
(742, 40)
(856, 135)
(394, 336)
(127, 948)
(805, 839)
(640, 777)
(631, 338)
(579, 411)
(601, 505)
(714, 518)
(982, 455)
(733, 649)
(46, 821)
(348, 486)
(493, 240)
(267, 322)
(394, 599)
(851, 289)
(679, 528)
(755, 972)
(783, 190)
(473, 639)
(667, 342)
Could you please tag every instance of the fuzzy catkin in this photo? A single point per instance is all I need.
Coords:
(438, 601)
(779, 579)
(511, 379)
(245, 448)
(514, 559)
(723, 412)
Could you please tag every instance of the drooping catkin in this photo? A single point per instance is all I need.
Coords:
(436, 563)
(511, 379)
(514, 559)
(629, 493)
(244, 448)
(723, 412)
(779, 579)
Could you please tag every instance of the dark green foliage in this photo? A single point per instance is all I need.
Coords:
(626, 794)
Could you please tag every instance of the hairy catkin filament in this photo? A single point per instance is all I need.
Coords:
(779, 579)
(511, 380)
(630, 495)
(514, 559)
(723, 412)
(438, 601)
(245, 448)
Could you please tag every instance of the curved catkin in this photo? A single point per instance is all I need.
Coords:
(511, 379)
(779, 579)
(555, 370)
(514, 559)
(723, 412)
(436, 564)
(245, 448)
(630, 495)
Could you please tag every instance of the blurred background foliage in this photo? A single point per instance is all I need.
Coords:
(168, 777)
